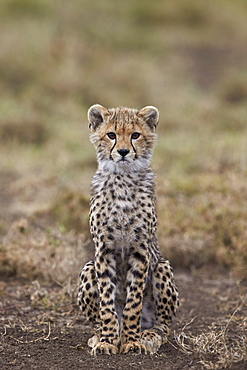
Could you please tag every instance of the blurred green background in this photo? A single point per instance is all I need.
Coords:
(187, 58)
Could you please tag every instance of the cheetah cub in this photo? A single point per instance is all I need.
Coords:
(128, 291)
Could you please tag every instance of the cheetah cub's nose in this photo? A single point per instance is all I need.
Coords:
(123, 152)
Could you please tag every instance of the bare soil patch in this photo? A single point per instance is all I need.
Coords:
(41, 327)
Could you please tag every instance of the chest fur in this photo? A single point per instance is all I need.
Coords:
(120, 204)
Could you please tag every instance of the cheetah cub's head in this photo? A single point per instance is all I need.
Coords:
(123, 137)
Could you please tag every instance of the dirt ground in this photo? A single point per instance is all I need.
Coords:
(41, 327)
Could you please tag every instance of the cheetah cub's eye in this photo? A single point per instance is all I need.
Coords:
(135, 135)
(111, 135)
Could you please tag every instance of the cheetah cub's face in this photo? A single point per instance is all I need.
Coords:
(123, 137)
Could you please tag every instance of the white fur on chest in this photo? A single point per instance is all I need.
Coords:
(121, 181)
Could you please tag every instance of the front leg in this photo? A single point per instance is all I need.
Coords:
(105, 266)
(135, 284)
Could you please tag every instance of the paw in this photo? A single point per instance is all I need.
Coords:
(93, 341)
(133, 347)
(104, 348)
(151, 340)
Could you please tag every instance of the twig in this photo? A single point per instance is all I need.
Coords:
(35, 340)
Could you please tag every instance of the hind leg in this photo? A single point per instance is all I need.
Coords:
(88, 298)
(165, 294)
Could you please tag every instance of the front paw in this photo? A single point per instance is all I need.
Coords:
(133, 347)
(151, 340)
(92, 342)
(104, 348)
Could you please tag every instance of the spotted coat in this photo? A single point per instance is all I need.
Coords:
(128, 291)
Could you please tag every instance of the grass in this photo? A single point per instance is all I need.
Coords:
(51, 254)
(157, 56)
(216, 346)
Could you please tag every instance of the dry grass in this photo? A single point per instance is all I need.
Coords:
(210, 212)
(50, 254)
(216, 346)
(131, 54)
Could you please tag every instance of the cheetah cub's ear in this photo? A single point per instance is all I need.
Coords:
(96, 115)
(150, 116)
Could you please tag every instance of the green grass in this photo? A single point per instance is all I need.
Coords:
(188, 58)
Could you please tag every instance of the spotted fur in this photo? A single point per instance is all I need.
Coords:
(128, 291)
